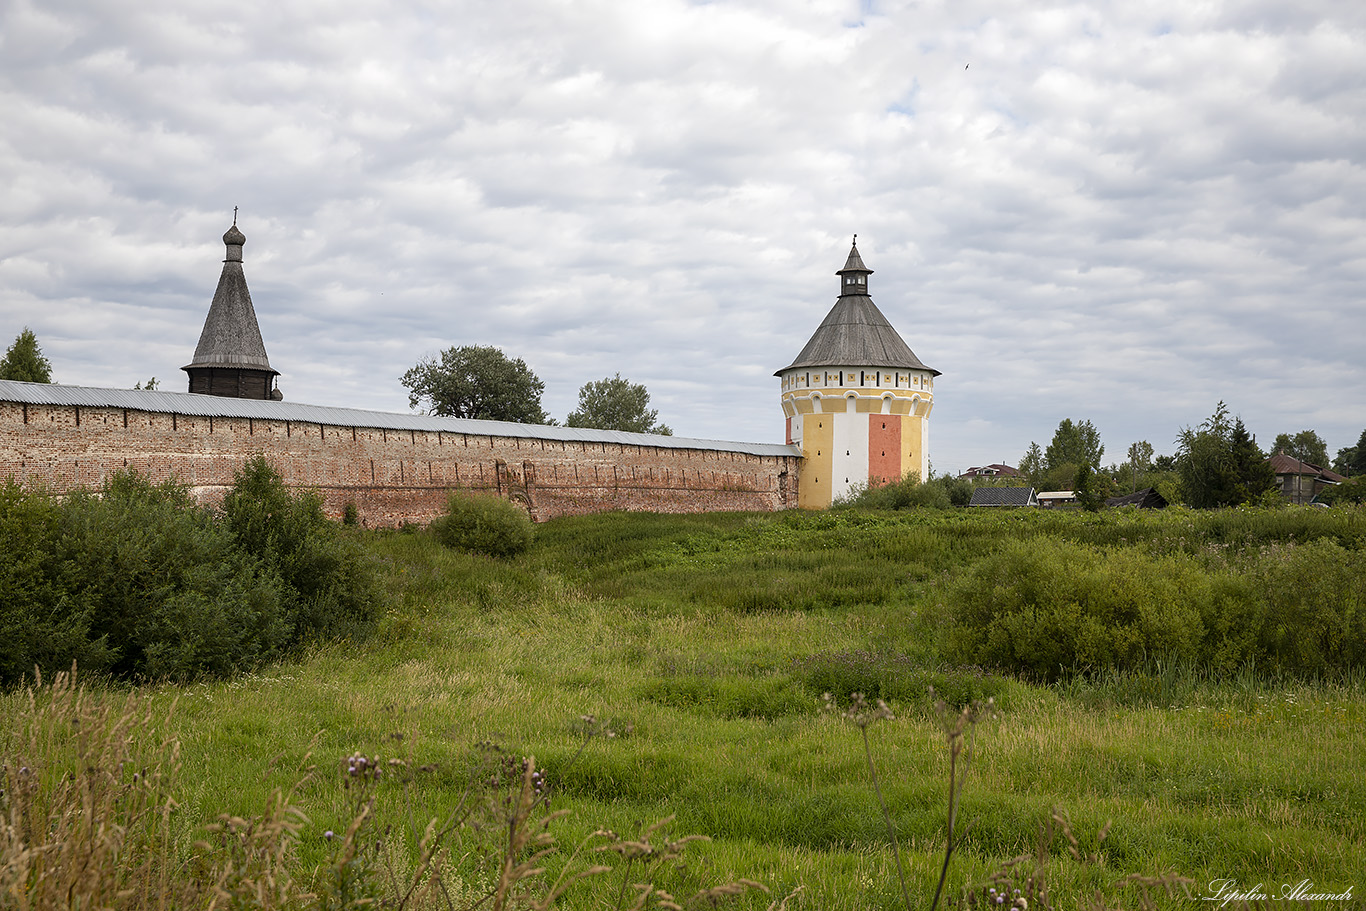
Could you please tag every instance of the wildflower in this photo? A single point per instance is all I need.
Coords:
(329, 835)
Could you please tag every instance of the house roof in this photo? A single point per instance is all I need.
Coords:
(186, 403)
(231, 336)
(1003, 496)
(1143, 499)
(995, 468)
(856, 333)
(1283, 464)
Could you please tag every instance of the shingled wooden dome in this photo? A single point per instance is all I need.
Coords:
(230, 359)
(855, 331)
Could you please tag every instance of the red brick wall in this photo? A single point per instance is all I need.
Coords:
(884, 448)
(392, 476)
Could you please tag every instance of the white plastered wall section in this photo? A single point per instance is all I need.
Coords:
(850, 466)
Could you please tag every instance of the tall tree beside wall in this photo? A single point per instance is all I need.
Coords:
(24, 360)
(478, 382)
(616, 404)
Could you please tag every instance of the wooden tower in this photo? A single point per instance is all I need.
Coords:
(230, 359)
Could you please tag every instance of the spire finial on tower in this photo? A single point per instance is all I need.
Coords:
(234, 220)
(855, 273)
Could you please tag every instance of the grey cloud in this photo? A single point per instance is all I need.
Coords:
(1118, 212)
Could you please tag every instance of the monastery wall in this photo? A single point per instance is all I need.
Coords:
(392, 475)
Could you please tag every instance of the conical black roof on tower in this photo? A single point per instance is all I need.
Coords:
(855, 332)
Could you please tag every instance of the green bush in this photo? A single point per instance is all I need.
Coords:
(164, 585)
(1049, 608)
(1314, 619)
(906, 493)
(137, 582)
(40, 623)
(1352, 490)
(959, 490)
(328, 588)
(484, 524)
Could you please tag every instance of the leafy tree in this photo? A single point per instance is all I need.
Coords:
(1205, 462)
(1031, 464)
(1220, 463)
(477, 381)
(1351, 460)
(1078, 444)
(1307, 446)
(1140, 461)
(616, 404)
(149, 385)
(1060, 477)
(24, 360)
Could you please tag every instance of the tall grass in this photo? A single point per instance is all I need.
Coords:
(706, 709)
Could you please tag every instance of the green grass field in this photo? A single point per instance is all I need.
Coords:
(674, 666)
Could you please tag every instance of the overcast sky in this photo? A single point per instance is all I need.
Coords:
(1118, 212)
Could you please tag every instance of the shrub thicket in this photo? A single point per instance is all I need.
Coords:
(164, 587)
(484, 524)
(39, 620)
(1050, 608)
(1352, 490)
(905, 493)
(137, 582)
(327, 589)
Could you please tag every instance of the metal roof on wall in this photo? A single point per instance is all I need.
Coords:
(217, 406)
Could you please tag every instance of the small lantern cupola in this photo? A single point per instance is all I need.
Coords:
(854, 275)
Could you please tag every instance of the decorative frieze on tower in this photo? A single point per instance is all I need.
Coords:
(857, 399)
(230, 359)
